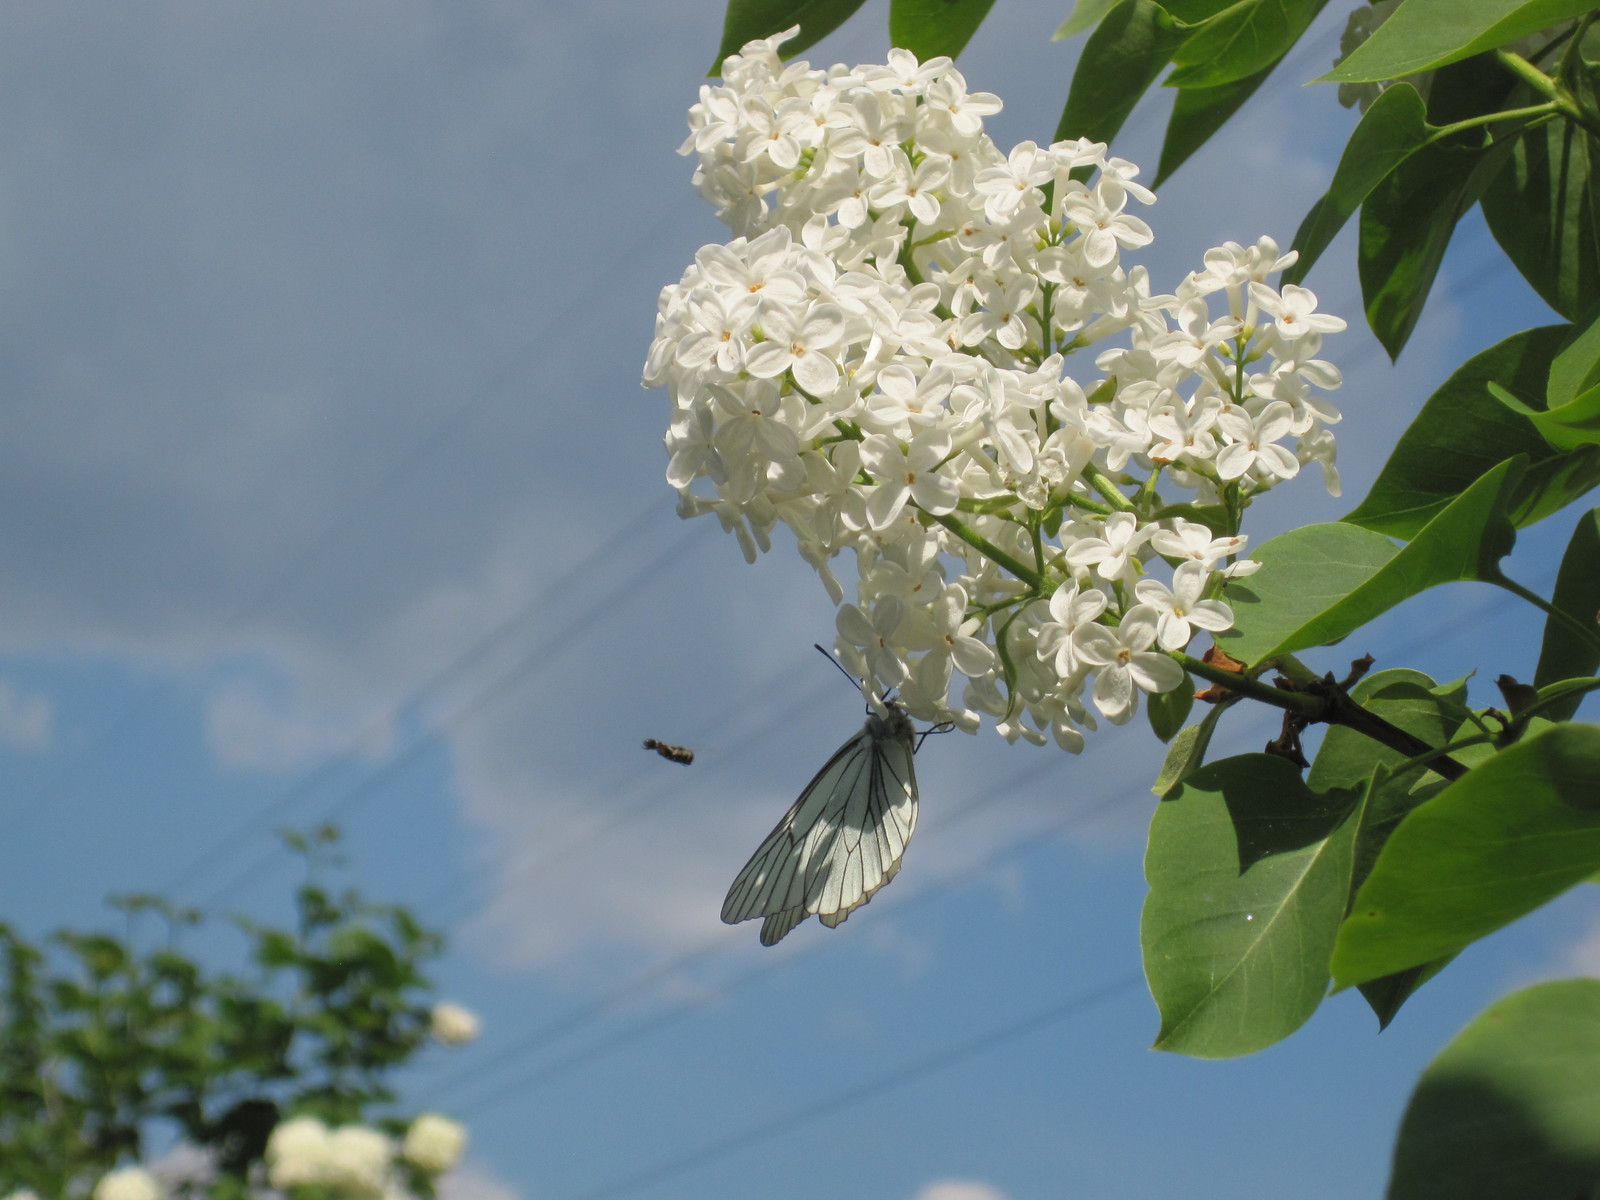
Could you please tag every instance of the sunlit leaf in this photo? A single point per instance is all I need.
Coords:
(1320, 583)
(1247, 887)
(1463, 431)
(1507, 837)
(1424, 34)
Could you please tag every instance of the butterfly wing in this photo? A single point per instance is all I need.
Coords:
(841, 840)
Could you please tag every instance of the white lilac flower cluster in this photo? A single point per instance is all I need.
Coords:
(878, 360)
(355, 1161)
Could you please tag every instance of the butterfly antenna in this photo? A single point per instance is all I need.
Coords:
(854, 682)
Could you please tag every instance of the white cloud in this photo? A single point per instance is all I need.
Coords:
(959, 1189)
(27, 719)
(246, 727)
(1583, 957)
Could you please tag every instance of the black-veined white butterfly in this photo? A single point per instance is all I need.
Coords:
(843, 838)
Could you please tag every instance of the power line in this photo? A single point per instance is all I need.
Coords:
(801, 1115)
(640, 984)
(727, 940)
(439, 434)
(455, 668)
(658, 791)
(533, 663)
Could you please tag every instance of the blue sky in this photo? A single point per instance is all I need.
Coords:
(328, 491)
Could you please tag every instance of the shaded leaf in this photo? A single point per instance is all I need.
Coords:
(1511, 1107)
(1544, 211)
(1424, 34)
(1188, 751)
(1463, 431)
(1406, 225)
(1169, 710)
(1494, 845)
(1411, 701)
(929, 28)
(1241, 40)
(747, 20)
(1120, 61)
(1197, 113)
(1385, 996)
(1246, 893)
(1320, 583)
(1392, 130)
(1563, 654)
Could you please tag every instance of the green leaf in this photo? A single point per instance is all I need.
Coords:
(1564, 655)
(1385, 996)
(1544, 210)
(1509, 1107)
(1424, 34)
(1494, 845)
(1410, 700)
(929, 28)
(1119, 62)
(1187, 753)
(1462, 432)
(1241, 41)
(1197, 113)
(1406, 225)
(1392, 130)
(747, 20)
(1246, 891)
(1576, 369)
(1320, 583)
(1576, 423)
(1169, 710)
(1084, 14)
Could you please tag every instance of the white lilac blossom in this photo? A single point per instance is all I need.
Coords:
(129, 1183)
(452, 1025)
(434, 1143)
(928, 360)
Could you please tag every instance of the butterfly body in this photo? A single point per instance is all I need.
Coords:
(842, 839)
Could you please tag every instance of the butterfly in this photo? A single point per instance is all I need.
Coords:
(842, 839)
(675, 754)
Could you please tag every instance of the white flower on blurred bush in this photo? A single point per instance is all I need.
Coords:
(352, 1160)
(22, 1194)
(129, 1183)
(297, 1152)
(358, 1160)
(434, 1143)
(453, 1025)
(928, 353)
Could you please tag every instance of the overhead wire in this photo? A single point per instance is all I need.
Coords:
(533, 663)
(455, 668)
(504, 1055)
(770, 964)
(820, 1108)
(439, 434)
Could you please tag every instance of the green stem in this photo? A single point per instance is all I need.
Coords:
(1107, 489)
(1557, 93)
(1585, 633)
(987, 548)
(1299, 703)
